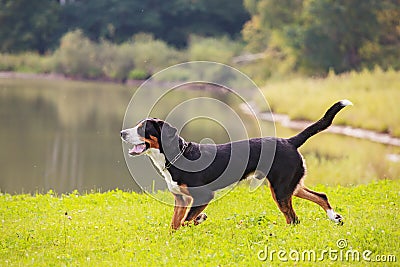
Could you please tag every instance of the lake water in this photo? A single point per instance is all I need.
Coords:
(64, 135)
(61, 135)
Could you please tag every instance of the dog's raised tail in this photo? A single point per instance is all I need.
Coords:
(320, 125)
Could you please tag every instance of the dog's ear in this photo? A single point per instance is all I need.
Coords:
(167, 130)
(169, 139)
(157, 124)
(160, 123)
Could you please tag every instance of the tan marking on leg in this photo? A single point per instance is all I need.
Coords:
(285, 206)
(180, 210)
(305, 193)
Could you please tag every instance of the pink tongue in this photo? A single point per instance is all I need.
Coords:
(137, 149)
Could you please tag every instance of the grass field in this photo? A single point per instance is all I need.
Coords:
(243, 229)
(375, 96)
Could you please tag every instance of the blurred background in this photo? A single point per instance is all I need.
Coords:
(68, 69)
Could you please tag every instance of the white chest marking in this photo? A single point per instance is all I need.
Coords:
(159, 160)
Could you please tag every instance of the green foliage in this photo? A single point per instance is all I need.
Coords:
(112, 20)
(38, 25)
(340, 28)
(154, 55)
(139, 58)
(315, 36)
(28, 25)
(125, 229)
(77, 56)
(171, 21)
(26, 62)
(115, 61)
(220, 50)
(309, 37)
(138, 74)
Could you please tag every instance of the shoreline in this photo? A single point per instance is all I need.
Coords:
(62, 77)
(283, 119)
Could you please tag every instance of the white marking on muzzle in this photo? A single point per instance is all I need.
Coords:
(131, 136)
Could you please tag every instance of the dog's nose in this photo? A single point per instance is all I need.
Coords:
(123, 134)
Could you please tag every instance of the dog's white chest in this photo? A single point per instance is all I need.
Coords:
(159, 160)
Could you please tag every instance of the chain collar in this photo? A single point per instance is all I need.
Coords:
(177, 156)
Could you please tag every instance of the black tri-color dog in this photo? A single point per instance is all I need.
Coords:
(193, 172)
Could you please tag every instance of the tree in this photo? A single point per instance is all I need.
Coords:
(326, 34)
(334, 31)
(173, 21)
(384, 49)
(113, 20)
(28, 25)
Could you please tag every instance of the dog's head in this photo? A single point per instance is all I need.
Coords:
(149, 133)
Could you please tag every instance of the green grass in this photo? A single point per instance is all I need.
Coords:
(375, 96)
(128, 229)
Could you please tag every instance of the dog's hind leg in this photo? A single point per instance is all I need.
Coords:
(196, 215)
(200, 202)
(320, 199)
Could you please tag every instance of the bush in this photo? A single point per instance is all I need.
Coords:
(138, 74)
(8, 62)
(115, 61)
(153, 55)
(26, 62)
(77, 56)
(220, 50)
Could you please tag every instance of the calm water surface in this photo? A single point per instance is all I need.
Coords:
(64, 135)
(61, 135)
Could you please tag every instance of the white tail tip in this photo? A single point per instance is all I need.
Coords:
(346, 102)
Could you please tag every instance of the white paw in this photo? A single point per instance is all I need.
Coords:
(201, 218)
(336, 217)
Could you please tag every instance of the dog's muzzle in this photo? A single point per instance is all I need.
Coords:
(138, 148)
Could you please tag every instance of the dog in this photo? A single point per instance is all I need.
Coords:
(193, 172)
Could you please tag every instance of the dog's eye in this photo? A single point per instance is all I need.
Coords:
(141, 130)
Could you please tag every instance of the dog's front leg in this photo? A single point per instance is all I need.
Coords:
(181, 205)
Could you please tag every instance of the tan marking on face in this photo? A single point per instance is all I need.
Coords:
(153, 142)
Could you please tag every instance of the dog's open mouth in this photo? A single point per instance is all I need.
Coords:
(137, 149)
